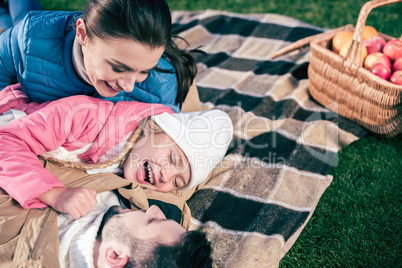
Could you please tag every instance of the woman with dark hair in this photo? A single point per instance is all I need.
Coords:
(115, 49)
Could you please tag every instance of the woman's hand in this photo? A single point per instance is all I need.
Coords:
(75, 201)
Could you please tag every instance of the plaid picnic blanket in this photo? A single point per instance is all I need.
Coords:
(261, 197)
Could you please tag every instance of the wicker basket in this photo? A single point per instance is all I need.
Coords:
(343, 85)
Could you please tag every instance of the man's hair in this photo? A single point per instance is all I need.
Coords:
(193, 250)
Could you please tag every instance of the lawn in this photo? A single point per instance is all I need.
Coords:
(357, 222)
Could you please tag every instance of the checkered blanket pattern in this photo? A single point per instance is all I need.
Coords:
(266, 189)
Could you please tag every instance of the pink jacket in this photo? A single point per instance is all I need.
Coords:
(72, 123)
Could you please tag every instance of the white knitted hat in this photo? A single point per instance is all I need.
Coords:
(203, 136)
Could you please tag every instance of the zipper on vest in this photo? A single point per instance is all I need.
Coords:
(40, 232)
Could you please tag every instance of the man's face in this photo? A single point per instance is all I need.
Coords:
(158, 163)
(150, 225)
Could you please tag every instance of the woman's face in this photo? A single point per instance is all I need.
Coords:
(157, 163)
(114, 65)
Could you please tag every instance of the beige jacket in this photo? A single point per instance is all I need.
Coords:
(29, 238)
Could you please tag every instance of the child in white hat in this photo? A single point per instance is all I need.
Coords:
(174, 151)
(163, 151)
(182, 153)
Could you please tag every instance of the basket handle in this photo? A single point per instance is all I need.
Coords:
(307, 40)
(355, 50)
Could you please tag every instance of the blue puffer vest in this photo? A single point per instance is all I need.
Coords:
(38, 54)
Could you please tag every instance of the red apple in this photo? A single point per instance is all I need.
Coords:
(397, 66)
(374, 44)
(381, 70)
(373, 59)
(396, 78)
(393, 49)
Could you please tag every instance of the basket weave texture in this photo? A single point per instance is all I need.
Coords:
(343, 85)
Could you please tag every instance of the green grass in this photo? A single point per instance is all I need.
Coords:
(323, 13)
(357, 222)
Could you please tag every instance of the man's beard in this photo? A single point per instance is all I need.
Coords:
(112, 211)
(141, 251)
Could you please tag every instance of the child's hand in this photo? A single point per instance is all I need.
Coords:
(75, 201)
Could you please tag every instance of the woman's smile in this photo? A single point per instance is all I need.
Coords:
(112, 89)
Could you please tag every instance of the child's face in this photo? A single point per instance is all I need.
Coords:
(115, 65)
(157, 163)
